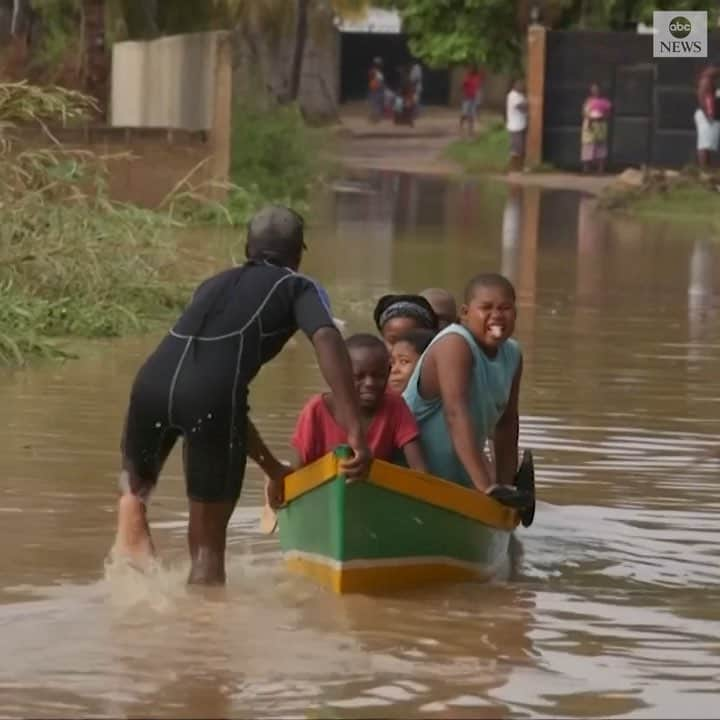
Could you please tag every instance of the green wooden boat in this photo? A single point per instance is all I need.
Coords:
(396, 529)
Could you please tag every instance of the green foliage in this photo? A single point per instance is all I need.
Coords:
(275, 152)
(492, 32)
(622, 14)
(488, 151)
(57, 44)
(448, 32)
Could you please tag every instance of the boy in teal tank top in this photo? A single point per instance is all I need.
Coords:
(465, 390)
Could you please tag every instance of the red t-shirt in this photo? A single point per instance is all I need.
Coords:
(317, 433)
(471, 84)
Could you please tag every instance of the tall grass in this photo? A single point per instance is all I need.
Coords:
(488, 151)
(72, 262)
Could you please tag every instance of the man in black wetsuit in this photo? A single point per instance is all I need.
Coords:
(195, 384)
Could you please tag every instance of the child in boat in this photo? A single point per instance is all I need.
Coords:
(465, 390)
(405, 355)
(444, 305)
(396, 314)
(387, 421)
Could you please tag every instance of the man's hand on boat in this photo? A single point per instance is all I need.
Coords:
(275, 485)
(358, 464)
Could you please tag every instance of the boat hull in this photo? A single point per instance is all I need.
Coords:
(395, 530)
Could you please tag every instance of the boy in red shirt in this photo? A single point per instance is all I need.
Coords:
(472, 93)
(386, 419)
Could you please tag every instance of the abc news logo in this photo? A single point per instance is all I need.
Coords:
(680, 35)
(680, 27)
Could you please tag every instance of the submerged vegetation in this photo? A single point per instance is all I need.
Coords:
(668, 195)
(487, 151)
(74, 263)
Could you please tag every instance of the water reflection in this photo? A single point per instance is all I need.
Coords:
(615, 608)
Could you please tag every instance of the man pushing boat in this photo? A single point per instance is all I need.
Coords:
(195, 384)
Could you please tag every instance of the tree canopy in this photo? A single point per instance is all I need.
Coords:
(492, 32)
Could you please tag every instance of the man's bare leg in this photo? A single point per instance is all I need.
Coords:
(133, 533)
(207, 533)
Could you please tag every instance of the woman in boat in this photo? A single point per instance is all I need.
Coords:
(404, 356)
(396, 314)
(465, 390)
(386, 419)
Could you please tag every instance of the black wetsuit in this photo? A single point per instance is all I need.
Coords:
(195, 384)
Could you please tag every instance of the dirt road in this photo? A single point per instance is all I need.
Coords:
(420, 149)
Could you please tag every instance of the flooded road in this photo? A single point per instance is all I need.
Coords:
(615, 609)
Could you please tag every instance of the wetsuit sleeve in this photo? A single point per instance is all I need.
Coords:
(406, 427)
(312, 308)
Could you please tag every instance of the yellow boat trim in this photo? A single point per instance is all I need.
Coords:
(379, 576)
(444, 494)
(311, 476)
(434, 491)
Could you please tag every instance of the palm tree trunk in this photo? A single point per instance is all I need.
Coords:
(301, 28)
(96, 57)
(20, 23)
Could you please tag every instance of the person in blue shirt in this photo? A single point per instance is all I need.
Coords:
(465, 389)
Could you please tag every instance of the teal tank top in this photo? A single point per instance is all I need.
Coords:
(490, 387)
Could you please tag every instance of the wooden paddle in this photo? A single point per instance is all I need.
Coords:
(268, 517)
(268, 520)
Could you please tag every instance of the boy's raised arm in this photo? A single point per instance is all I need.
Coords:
(453, 365)
(506, 434)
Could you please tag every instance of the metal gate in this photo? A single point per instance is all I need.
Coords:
(653, 98)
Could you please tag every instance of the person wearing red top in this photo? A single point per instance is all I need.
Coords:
(387, 420)
(472, 94)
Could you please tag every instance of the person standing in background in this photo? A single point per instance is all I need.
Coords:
(706, 117)
(480, 94)
(376, 90)
(516, 120)
(416, 79)
(471, 86)
(594, 133)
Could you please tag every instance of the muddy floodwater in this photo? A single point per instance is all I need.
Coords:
(614, 610)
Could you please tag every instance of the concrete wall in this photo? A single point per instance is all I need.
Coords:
(182, 82)
(168, 82)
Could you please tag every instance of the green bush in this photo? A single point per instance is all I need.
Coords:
(488, 151)
(274, 151)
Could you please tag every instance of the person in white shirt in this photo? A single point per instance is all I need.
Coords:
(416, 79)
(516, 120)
